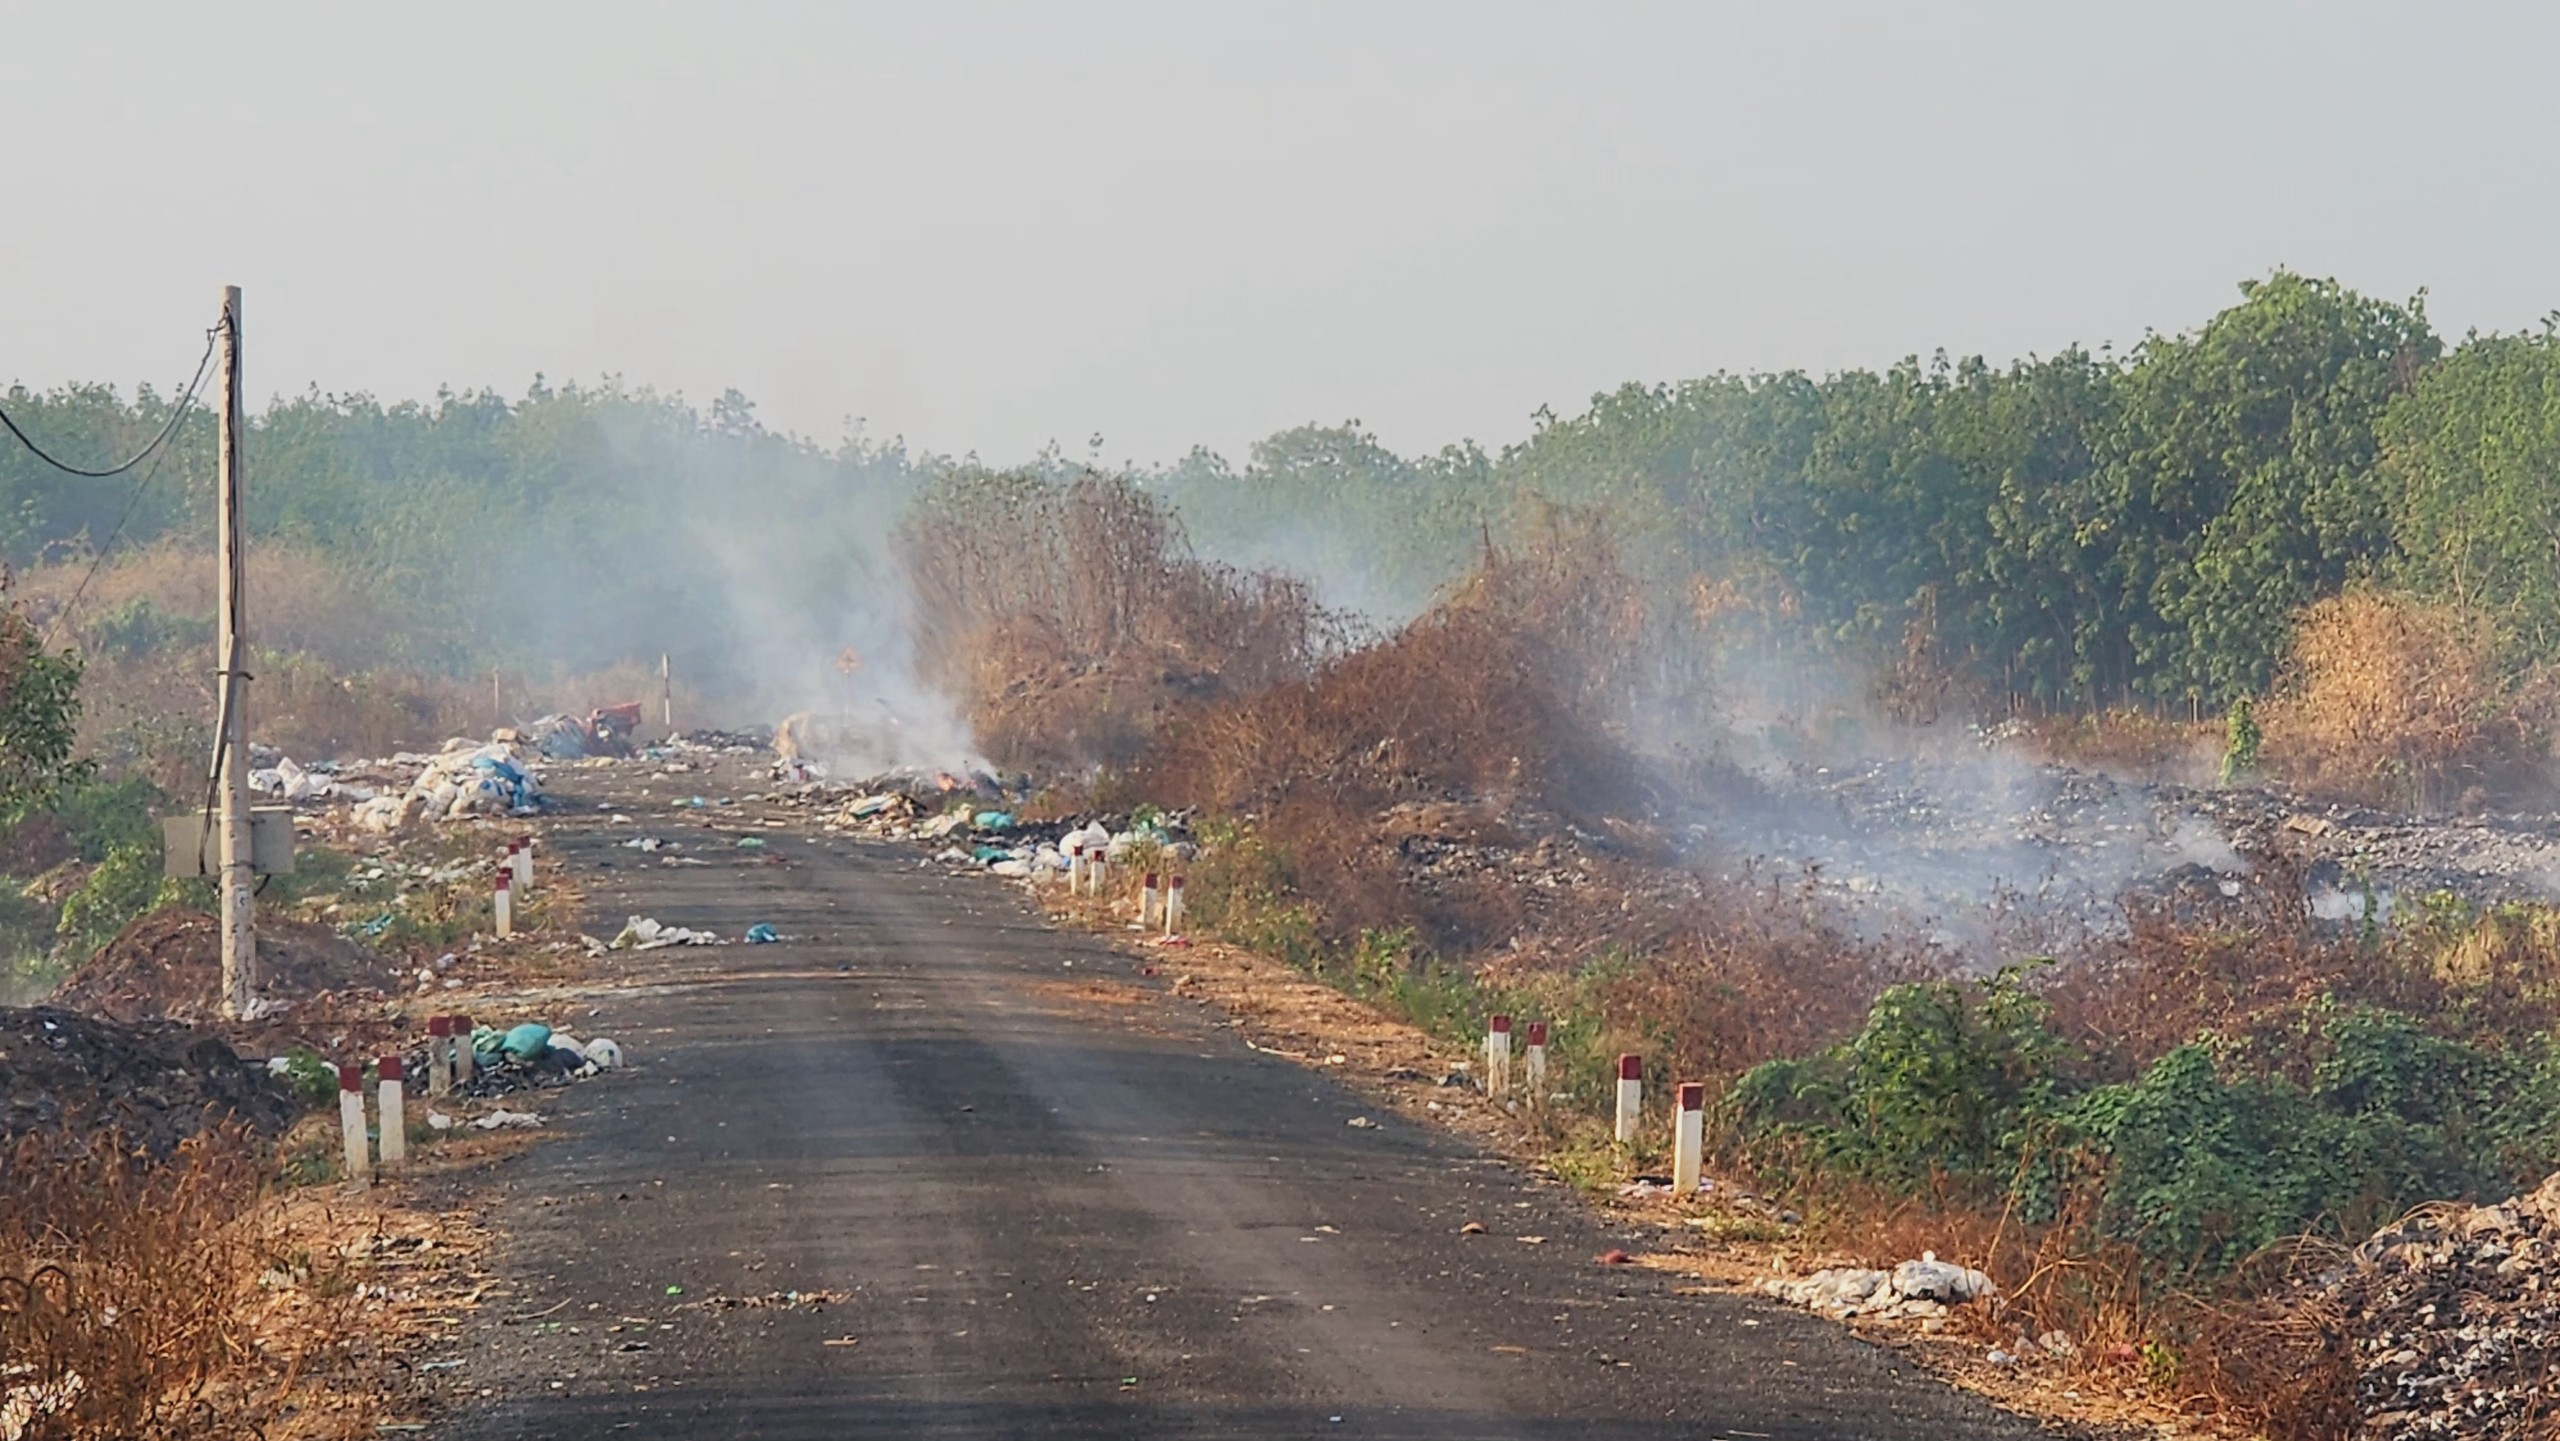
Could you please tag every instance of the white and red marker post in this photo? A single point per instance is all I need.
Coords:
(463, 1059)
(502, 908)
(1075, 868)
(1689, 1139)
(1630, 1095)
(351, 1122)
(1097, 872)
(1173, 907)
(1497, 1056)
(1147, 894)
(520, 855)
(1533, 1063)
(439, 1055)
(395, 1113)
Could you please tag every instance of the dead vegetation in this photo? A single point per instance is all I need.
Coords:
(1071, 621)
(127, 1288)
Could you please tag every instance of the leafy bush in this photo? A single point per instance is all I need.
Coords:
(2203, 1159)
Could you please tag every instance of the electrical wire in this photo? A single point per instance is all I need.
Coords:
(132, 502)
(40, 453)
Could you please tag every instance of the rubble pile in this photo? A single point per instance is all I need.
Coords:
(1919, 1290)
(168, 966)
(157, 1083)
(2454, 1315)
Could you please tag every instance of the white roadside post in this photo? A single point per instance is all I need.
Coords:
(395, 1114)
(502, 908)
(1173, 907)
(439, 1055)
(521, 852)
(351, 1122)
(1075, 868)
(1533, 1064)
(1497, 1056)
(1097, 872)
(1147, 901)
(1630, 1095)
(1689, 1139)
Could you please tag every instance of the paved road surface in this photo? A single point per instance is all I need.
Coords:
(1052, 1217)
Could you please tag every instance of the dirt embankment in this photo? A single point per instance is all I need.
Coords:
(167, 966)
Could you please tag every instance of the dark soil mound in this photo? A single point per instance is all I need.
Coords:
(168, 966)
(157, 1083)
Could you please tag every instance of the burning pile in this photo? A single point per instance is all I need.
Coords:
(2455, 1318)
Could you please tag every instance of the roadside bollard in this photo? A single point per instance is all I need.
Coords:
(463, 1060)
(439, 1055)
(1097, 873)
(351, 1122)
(1173, 907)
(1630, 1095)
(520, 853)
(1075, 868)
(1497, 1056)
(395, 1114)
(1533, 1064)
(502, 908)
(1689, 1139)
(1147, 902)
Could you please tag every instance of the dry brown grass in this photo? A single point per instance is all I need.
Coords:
(124, 1286)
(2391, 699)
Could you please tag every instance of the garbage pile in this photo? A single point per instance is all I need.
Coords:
(1919, 1290)
(157, 1082)
(532, 1054)
(462, 780)
(2454, 1317)
(296, 784)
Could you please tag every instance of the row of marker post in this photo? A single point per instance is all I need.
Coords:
(449, 1068)
(515, 878)
(1160, 898)
(1689, 1125)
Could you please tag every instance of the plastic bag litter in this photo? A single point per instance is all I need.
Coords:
(762, 934)
(503, 1119)
(644, 933)
(604, 1055)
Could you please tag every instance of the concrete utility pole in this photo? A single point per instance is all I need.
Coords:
(231, 741)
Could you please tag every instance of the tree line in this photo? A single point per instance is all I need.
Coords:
(2082, 529)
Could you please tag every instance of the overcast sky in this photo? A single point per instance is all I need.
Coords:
(984, 227)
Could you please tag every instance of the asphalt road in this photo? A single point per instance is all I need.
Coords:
(1038, 1214)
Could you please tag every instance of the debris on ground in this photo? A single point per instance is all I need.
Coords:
(2454, 1319)
(462, 780)
(645, 933)
(1915, 1290)
(168, 966)
(157, 1082)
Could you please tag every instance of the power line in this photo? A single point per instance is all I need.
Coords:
(140, 456)
(132, 502)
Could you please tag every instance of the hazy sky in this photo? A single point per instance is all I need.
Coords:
(988, 226)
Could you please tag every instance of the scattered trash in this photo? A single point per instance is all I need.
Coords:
(1361, 1123)
(1472, 1228)
(642, 933)
(1615, 1257)
(762, 934)
(506, 1120)
(604, 1054)
(439, 1121)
